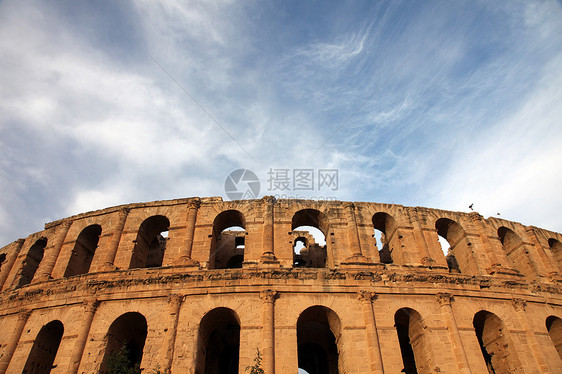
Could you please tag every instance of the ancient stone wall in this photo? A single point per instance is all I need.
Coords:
(199, 285)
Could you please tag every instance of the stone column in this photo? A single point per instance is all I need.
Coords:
(373, 346)
(174, 304)
(549, 262)
(354, 241)
(52, 255)
(425, 256)
(90, 307)
(268, 335)
(10, 259)
(542, 364)
(192, 209)
(444, 300)
(115, 238)
(13, 340)
(268, 233)
(495, 253)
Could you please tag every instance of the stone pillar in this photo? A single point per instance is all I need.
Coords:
(353, 234)
(13, 340)
(268, 255)
(52, 255)
(550, 263)
(90, 307)
(268, 335)
(425, 255)
(542, 364)
(268, 224)
(115, 238)
(192, 208)
(373, 346)
(10, 259)
(174, 303)
(444, 300)
(497, 257)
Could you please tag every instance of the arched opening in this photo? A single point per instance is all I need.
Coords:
(556, 248)
(554, 327)
(228, 241)
(44, 349)
(459, 255)
(150, 243)
(414, 344)
(496, 349)
(318, 333)
(300, 247)
(218, 342)
(125, 343)
(2, 259)
(515, 251)
(31, 262)
(83, 252)
(309, 228)
(384, 227)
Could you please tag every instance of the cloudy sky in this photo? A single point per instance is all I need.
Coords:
(434, 103)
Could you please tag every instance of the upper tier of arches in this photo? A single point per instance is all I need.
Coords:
(213, 234)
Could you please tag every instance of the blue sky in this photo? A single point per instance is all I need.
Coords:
(434, 103)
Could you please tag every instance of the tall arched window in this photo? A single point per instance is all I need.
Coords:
(125, 342)
(218, 342)
(554, 327)
(384, 233)
(496, 347)
(414, 343)
(459, 256)
(83, 252)
(44, 349)
(310, 228)
(318, 331)
(31, 262)
(229, 241)
(150, 244)
(515, 251)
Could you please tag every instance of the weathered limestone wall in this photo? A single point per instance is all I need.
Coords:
(508, 271)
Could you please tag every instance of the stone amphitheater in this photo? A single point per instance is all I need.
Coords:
(202, 285)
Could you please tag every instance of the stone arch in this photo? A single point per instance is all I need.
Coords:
(554, 327)
(318, 339)
(228, 240)
(556, 248)
(218, 342)
(83, 252)
(44, 349)
(515, 251)
(150, 245)
(387, 226)
(316, 256)
(31, 262)
(459, 257)
(498, 352)
(125, 339)
(414, 342)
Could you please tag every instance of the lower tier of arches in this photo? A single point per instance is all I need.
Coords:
(221, 330)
